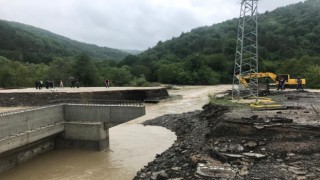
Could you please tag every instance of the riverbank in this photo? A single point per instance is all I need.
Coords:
(36, 97)
(221, 142)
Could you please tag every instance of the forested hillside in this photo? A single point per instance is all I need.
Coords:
(30, 44)
(289, 42)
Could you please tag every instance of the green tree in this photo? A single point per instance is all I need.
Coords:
(312, 76)
(119, 76)
(59, 69)
(85, 71)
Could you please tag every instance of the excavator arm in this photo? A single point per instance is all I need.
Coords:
(243, 79)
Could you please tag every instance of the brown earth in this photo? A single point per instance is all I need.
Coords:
(27, 97)
(223, 142)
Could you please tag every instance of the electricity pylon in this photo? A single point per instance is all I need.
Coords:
(246, 58)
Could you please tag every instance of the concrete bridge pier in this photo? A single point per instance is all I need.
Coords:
(84, 135)
(87, 127)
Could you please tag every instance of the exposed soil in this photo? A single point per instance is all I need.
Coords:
(222, 142)
(38, 98)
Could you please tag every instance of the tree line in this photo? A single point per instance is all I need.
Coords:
(26, 43)
(82, 67)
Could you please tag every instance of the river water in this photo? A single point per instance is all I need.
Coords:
(132, 145)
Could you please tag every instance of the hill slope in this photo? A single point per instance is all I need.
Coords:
(288, 36)
(287, 32)
(30, 44)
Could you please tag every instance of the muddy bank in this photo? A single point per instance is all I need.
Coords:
(42, 98)
(220, 143)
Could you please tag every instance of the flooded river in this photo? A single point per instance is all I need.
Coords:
(132, 145)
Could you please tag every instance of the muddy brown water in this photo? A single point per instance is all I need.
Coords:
(132, 145)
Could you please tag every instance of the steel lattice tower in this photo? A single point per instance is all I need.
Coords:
(246, 58)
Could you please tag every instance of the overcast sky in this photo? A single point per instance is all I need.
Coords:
(125, 24)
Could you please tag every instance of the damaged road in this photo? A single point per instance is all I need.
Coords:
(221, 142)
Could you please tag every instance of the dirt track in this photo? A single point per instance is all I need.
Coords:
(226, 143)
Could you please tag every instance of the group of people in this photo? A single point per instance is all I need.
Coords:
(48, 84)
(282, 84)
(73, 83)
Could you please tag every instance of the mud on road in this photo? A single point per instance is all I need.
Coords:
(221, 142)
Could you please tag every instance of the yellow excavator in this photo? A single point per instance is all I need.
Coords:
(274, 77)
(267, 103)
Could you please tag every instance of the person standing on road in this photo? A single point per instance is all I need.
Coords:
(279, 83)
(61, 84)
(267, 85)
(299, 82)
(40, 84)
(283, 84)
(107, 83)
(37, 84)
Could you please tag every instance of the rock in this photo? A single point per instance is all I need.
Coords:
(244, 171)
(259, 126)
(232, 156)
(297, 171)
(154, 176)
(176, 168)
(185, 165)
(194, 160)
(290, 154)
(279, 160)
(251, 144)
(240, 148)
(254, 155)
(218, 155)
(143, 175)
(317, 169)
(162, 175)
(215, 171)
(261, 143)
(301, 178)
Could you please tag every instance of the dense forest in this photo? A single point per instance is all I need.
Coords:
(26, 43)
(289, 42)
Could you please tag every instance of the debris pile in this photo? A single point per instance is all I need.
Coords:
(220, 143)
